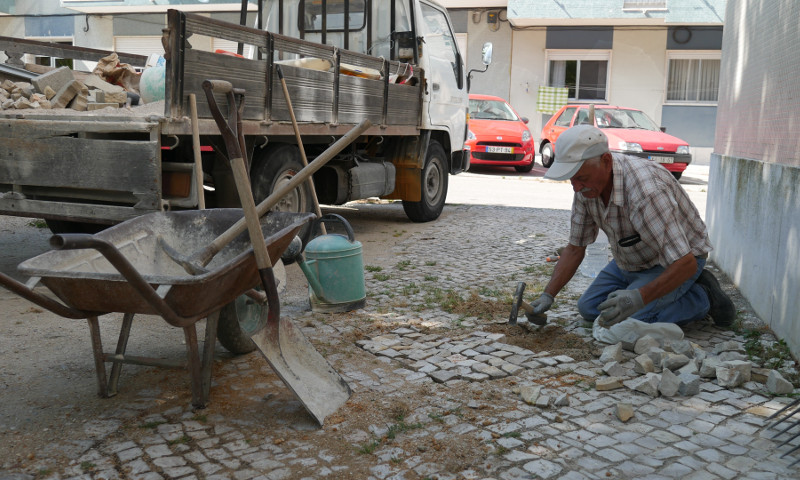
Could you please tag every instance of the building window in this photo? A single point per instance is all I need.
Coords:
(693, 77)
(585, 75)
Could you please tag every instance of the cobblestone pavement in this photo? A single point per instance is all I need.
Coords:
(403, 420)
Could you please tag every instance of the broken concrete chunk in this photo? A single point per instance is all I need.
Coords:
(709, 367)
(612, 353)
(624, 411)
(731, 355)
(729, 346)
(643, 364)
(7, 104)
(683, 347)
(647, 384)
(530, 393)
(23, 103)
(674, 361)
(66, 94)
(615, 369)
(644, 344)
(8, 86)
(120, 98)
(733, 373)
(759, 375)
(100, 106)
(629, 341)
(777, 384)
(690, 384)
(669, 384)
(95, 82)
(49, 93)
(604, 384)
(56, 79)
(79, 102)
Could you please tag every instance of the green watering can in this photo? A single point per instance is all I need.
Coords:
(333, 266)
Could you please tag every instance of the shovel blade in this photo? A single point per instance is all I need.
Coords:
(302, 368)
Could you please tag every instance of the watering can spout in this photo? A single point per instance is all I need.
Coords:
(333, 266)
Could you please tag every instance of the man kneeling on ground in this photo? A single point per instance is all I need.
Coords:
(658, 240)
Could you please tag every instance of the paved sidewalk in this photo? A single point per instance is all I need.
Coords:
(405, 421)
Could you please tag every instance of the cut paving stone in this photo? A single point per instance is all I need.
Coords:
(56, 79)
(612, 353)
(643, 364)
(644, 344)
(690, 384)
(733, 373)
(530, 393)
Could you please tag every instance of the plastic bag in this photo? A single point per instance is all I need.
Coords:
(615, 334)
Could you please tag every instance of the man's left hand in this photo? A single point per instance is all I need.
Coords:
(618, 306)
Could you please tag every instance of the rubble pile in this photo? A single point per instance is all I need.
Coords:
(59, 88)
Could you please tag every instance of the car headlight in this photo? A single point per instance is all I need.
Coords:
(526, 135)
(471, 136)
(683, 150)
(629, 146)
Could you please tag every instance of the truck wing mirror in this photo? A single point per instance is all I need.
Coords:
(487, 53)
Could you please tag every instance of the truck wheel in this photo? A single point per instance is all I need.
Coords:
(274, 168)
(547, 155)
(434, 187)
(244, 316)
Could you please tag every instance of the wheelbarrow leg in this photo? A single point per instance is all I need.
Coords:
(99, 363)
(208, 352)
(194, 367)
(122, 345)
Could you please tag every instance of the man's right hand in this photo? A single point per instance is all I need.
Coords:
(543, 303)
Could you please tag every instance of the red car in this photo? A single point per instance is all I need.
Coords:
(629, 131)
(497, 135)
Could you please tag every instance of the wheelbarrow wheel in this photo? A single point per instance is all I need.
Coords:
(243, 317)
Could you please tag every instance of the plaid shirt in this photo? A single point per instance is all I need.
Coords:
(645, 200)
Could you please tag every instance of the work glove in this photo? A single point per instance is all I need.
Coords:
(543, 303)
(618, 306)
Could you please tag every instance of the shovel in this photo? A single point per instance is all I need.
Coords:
(301, 367)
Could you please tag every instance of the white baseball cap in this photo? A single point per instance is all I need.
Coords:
(573, 147)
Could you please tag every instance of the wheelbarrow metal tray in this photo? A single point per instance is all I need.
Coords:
(85, 280)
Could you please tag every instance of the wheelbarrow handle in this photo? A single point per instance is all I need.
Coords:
(45, 302)
(77, 241)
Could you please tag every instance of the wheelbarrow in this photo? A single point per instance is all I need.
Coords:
(125, 269)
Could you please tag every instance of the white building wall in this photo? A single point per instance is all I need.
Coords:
(638, 69)
(527, 74)
(753, 196)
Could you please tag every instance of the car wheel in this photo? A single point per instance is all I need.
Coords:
(434, 187)
(677, 175)
(547, 155)
(524, 168)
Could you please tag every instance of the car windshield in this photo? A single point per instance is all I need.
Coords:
(490, 110)
(619, 118)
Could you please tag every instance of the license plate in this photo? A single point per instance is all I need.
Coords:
(660, 159)
(499, 149)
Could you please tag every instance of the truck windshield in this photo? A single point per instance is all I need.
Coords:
(335, 12)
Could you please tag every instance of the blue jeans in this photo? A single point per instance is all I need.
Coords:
(685, 304)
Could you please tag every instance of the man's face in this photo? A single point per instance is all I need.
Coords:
(591, 178)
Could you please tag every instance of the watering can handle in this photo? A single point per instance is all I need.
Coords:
(333, 217)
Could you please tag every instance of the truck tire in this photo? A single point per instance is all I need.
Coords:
(275, 167)
(434, 187)
(65, 226)
(244, 316)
